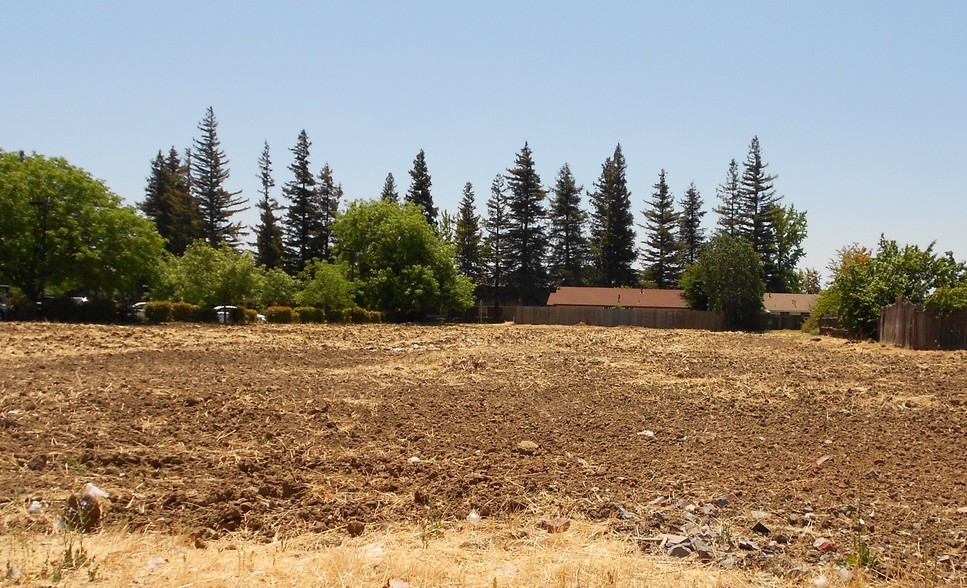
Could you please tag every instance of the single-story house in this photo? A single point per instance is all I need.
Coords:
(775, 303)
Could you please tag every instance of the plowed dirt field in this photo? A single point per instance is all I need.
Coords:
(277, 430)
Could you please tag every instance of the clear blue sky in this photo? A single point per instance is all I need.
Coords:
(860, 106)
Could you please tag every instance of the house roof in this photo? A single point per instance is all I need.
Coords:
(791, 303)
(624, 297)
(655, 298)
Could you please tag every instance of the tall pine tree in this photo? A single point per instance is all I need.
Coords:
(209, 167)
(662, 255)
(328, 196)
(467, 235)
(526, 239)
(730, 203)
(419, 192)
(268, 234)
(495, 243)
(757, 198)
(390, 193)
(168, 202)
(691, 235)
(303, 217)
(612, 225)
(568, 241)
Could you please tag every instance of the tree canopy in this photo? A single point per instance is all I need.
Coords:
(398, 262)
(727, 277)
(60, 230)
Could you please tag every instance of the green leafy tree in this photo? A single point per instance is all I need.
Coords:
(691, 235)
(328, 195)
(612, 225)
(662, 254)
(327, 286)
(209, 167)
(208, 276)
(398, 262)
(60, 229)
(419, 192)
(270, 250)
(569, 250)
(467, 235)
(730, 205)
(757, 200)
(303, 216)
(390, 193)
(789, 227)
(864, 283)
(276, 288)
(727, 277)
(168, 202)
(808, 281)
(495, 242)
(526, 240)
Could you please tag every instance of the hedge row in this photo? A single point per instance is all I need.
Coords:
(163, 311)
(311, 314)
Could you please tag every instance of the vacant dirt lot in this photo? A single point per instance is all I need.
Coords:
(282, 430)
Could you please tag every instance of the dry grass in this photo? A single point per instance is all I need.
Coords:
(485, 555)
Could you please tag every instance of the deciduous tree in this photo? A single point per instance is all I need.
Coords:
(399, 263)
(60, 229)
(727, 277)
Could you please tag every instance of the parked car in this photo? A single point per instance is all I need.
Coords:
(232, 314)
(137, 310)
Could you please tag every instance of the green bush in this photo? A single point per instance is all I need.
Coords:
(182, 312)
(336, 315)
(158, 311)
(280, 315)
(251, 315)
(947, 299)
(310, 314)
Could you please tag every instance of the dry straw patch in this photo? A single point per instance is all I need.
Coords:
(485, 555)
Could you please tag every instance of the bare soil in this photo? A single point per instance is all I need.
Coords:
(277, 431)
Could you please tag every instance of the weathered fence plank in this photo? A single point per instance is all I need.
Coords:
(612, 317)
(912, 326)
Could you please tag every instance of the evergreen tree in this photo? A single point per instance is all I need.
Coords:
(526, 239)
(662, 255)
(495, 243)
(691, 235)
(568, 243)
(790, 230)
(419, 192)
(447, 228)
(730, 197)
(268, 234)
(612, 225)
(468, 235)
(390, 193)
(757, 198)
(209, 168)
(328, 196)
(303, 217)
(168, 202)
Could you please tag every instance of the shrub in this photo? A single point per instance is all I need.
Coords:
(182, 312)
(336, 315)
(251, 315)
(310, 314)
(158, 311)
(280, 315)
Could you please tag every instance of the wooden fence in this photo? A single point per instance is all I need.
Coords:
(911, 326)
(612, 317)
